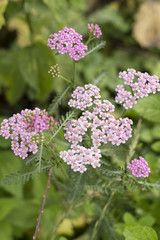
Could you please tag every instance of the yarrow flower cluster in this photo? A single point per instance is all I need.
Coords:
(83, 97)
(141, 88)
(102, 125)
(139, 167)
(68, 41)
(26, 130)
(95, 29)
(54, 70)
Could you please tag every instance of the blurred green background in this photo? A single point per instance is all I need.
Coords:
(131, 29)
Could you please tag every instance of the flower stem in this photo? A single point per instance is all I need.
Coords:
(67, 80)
(89, 39)
(98, 222)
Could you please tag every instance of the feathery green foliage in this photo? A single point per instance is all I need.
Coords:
(62, 122)
(93, 47)
(134, 142)
(24, 176)
(57, 100)
(99, 78)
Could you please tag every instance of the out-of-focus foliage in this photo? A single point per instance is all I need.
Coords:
(3, 5)
(146, 27)
(132, 42)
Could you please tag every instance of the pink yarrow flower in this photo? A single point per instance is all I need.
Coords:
(95, 29)
(139, 167)
(68, 41)
(140, 88)
(26, 130)
(102, 125)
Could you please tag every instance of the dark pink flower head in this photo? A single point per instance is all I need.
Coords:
(139, 167)
(25, 130)
(95, 29)
(68, 41)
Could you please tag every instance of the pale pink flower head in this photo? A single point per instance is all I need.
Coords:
(101, 125)
(140, 86)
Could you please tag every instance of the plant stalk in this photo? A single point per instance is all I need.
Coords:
(98, 222)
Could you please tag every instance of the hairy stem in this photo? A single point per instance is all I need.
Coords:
(43, 204)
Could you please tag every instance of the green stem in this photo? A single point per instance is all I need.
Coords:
(123, 113)
(131, 91)
(67, 80)
(98, 223)
(55, 157)
(89, 40)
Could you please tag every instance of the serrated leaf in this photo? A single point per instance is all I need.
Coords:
(149, 108)
(140, 233)
(95, 47)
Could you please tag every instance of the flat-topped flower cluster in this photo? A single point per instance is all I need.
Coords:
(68, 41)
(101, 124)
(140, 88)
(139, 167)
(25, 130)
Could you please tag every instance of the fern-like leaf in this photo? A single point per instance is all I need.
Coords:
(111, 171)
(24, 176)
(57, 100)
(31, 159)
(62, 122)
(99, 77)
(40, 155)
(95, 47)
(134, 142)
